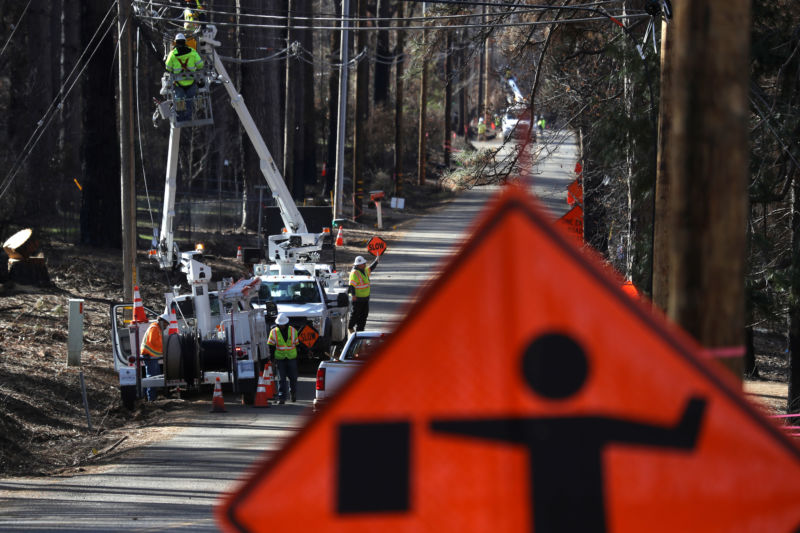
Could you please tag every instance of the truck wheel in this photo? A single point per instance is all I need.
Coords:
(128, 393)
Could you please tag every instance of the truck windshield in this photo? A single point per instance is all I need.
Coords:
(296, 292)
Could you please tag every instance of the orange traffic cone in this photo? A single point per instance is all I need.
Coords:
(262, 399)
(173, 323)
(339, 238)
(218, 402)
(138, 311)
(269, 382)
(239, 254)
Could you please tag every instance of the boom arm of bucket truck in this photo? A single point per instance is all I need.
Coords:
(296, 243)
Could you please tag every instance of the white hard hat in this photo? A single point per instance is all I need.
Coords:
(165, 317)
(180, 37)
(359, 261)
(480, 120)
(282, 319)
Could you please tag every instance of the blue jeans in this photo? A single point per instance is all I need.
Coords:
(287, 368)
(187, 95)
(151, 368)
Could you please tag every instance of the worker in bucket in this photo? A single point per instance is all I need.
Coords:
(152, 350)
(359, 292)
(283, 340)
(182, 63)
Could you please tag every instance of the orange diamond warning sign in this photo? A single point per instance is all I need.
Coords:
(376, 246)
(556, 403)
(308, 336)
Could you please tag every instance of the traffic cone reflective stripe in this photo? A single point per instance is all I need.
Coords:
(339, 238)
(138, 311)
(239, 254)
(269, 383)
(173, 323)
(218, 402)
(262, 399)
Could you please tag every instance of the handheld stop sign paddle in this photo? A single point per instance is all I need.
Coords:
(376, 246)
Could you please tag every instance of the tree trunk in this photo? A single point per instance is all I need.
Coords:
(305, 152)
(262, 90)
(421, 130)
(448, 98)
(42, 45)
(399, 56)
(70, 133)
(100, 202)
(291, 88)
(709, 171)
(382, 57)
(362, 114)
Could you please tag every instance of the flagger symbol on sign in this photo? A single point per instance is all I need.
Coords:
(565, 454)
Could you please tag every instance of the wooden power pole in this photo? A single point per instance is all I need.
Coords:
(708, 165)
(661, 230)
(126, 145)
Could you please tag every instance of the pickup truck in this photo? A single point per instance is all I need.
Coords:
(306, 302)
(332, 374)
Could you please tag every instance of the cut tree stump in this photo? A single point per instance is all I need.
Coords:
(22, 245)
(30, 271)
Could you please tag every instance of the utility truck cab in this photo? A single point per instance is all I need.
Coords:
(308, 300)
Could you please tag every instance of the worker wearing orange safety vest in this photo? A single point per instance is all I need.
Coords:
(359, 290)
(283, 341)
(152, 350)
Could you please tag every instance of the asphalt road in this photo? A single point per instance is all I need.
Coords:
(173, 485)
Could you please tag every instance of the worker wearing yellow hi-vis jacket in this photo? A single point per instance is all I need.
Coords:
(152, 350)
(191, 15)
(359, 290)
(282, 341)
(182, 63)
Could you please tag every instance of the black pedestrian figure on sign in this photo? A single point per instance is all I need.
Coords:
(566, 453)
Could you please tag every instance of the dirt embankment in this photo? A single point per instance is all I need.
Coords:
(43, 426)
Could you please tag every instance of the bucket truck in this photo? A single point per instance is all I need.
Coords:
(223, 333)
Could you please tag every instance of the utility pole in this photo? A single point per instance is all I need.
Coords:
(423, 110)
(481, 72)
(344, 45)
(126, 147)
(708, 165)
(288, 122)
(661, 231)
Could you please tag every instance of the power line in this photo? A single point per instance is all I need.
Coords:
(44, 122)
(19, 21)
(603, 18)
(329, 17)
